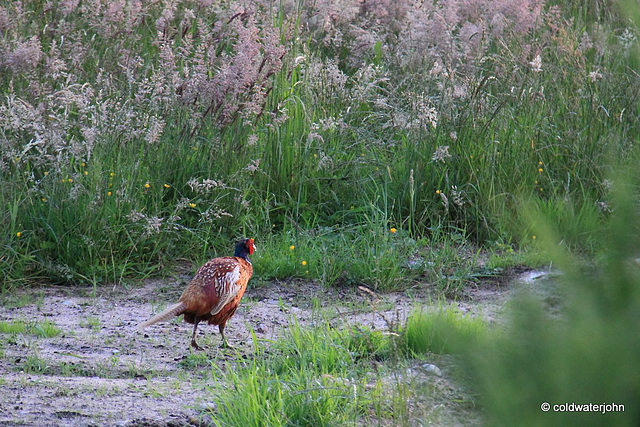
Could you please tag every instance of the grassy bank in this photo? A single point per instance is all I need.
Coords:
(135, 135)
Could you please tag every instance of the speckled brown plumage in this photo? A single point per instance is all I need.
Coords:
(214, 293)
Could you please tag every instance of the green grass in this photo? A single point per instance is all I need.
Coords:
(381, 258)
(344, 256)
(90, 322)
(112, 367)
(13, 327)
(34, 364)
(195, 361)
(445, 331)
(323, 376)
(44, 329)
(306, 379)
(22, 299)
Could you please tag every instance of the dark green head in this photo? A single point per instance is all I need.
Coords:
(244, 248)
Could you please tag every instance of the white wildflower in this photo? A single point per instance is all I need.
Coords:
(325, 162)
(152, 224)
(183, 204)
(253, 166)
(441, 154)
(627, 39)
(252, 140)
(156, 126)
(204, 186)
(536, 64)
(457, 196)
(425, 111)
(603, 206)
(445, 201)
(595, 75)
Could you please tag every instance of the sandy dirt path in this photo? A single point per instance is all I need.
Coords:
(101, 370)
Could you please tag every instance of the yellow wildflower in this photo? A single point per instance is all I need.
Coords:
(18, 234)
(393, 229)
(147, 185)
(86, 173)
(292, 247)
(533, 237)
(438, 191)
(108, 193)
(193, 205)
(167, 186)
(304, 262)
(540, 170)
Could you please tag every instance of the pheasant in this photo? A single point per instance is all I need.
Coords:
(214, 293)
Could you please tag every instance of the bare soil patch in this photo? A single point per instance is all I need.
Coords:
(101, 370)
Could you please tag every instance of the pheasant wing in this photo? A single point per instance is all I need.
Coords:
(227, 288)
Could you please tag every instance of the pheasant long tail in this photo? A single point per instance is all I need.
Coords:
(169, 312)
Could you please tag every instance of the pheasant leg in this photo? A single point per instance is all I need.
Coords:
(225, 344)
(194, 344)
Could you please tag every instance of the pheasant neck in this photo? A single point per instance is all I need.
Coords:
(241, 252)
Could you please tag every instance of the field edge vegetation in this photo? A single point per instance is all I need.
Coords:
(137, 134)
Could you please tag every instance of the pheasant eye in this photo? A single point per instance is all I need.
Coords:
(251, 246)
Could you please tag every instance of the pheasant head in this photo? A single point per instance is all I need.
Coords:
(244, 248)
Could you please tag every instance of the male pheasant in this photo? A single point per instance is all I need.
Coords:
(214, 293)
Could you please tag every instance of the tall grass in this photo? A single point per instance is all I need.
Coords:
(135, 134)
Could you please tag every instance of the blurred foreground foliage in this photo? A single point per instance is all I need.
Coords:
(588, 355)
